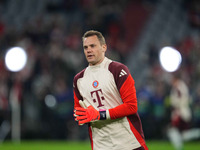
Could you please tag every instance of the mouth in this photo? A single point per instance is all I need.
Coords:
(90, 56)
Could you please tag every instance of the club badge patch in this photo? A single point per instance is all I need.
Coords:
(95, 84)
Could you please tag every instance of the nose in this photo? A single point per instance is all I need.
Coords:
(89, 50)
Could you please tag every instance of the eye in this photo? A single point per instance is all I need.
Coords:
(92, 45)
(85, 47)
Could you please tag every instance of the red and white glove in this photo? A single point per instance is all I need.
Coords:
(87, 113)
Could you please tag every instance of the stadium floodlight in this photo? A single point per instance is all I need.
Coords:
(170, 59)
(15, 59)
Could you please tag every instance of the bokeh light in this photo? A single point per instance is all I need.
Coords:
(170, 59)
(15, 59)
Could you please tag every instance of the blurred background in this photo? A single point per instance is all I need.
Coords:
(37, 102)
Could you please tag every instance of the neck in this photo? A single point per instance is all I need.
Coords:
(99, 62)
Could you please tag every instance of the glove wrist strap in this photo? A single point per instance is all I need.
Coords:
(102, 115)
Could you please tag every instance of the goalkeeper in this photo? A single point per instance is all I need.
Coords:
(105, 99)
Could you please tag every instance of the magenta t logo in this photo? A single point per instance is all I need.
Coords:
(99, 97)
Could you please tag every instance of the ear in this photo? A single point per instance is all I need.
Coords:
(104, 47)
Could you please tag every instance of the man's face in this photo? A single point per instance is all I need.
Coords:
(94, 51)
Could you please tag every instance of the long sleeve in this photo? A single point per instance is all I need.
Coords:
(128, 95)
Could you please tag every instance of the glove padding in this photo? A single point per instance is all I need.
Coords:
(84, 104)
(86, 113)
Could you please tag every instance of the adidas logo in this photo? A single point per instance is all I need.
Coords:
(122, 73)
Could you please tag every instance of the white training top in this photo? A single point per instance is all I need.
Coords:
(101, 86)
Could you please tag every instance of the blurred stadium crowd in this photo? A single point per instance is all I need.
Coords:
(50, 31)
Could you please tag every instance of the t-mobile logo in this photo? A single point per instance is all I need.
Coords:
(99, 97)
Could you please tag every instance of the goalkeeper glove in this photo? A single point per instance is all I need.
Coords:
(87, 113)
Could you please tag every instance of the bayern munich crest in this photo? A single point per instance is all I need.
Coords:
(95, 84)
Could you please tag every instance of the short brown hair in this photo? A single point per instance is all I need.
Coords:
(97, 33)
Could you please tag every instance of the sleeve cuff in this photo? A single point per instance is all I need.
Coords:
(107, 114)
